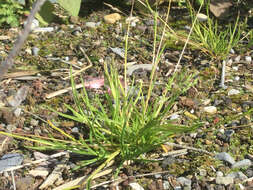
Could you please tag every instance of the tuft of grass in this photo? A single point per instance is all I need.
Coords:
(216, 40)
(124, 122)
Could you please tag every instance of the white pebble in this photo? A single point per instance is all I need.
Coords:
(233, 92)
(202, 17)
(229, 62)
(238, 58)
(248, 58)
(174, 116)
(210, 109)
(232, 51)
(237, 78)
(235, 68)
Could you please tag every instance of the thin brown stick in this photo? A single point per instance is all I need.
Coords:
(8, 62)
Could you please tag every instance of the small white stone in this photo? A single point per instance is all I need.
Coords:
(238, 58)
(35, 24)
(174, 116)
(206, 102)
(237, 78)
(222, 131)
(136, 186)
(232, 51)
(229, 62)
(235, 68)
(43, 29)
(248, 58)
(233, 92)
(210, 109)
(90, 24)
(224, 180)
(202, 17)
(219, 174)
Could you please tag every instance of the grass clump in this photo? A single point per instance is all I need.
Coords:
(216, 40)
(120, 125)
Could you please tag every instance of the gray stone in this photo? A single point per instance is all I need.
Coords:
(166, 185)
(184, 181)
(35, 24)
(224, 180)
(202, 172)
(225, 157)
(10, 160)
(35, 51)
(242, 163)
(34, 122)
(91, 24)
(43, 29)
(75, 130)
(238, 175)
(219, 174)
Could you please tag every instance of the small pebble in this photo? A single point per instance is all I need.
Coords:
(222, 131)
(202, 172)
(119, 51)
(43, 29)
(202, 17)
(232, 51)
(186, 27)
(184, 181)
(174, 116)
(157, 176)
(136, 186)
(210, 109)
(224, 180)
(238, 58)
(219, 174)
(235, 68)
(237, 78)
(233, 92)
(66, 58)
(225, 157)
(229, 62)
(238, 175)
(242, 163)
(229, 133)
(17, 112)
(35, 24)
(193, 135)
(249, 172)
(34, 122)
(11, 127)
(248, 58)
(166, 185)
(92, 24)
(75, 130)
(112, 18)
(35, 51)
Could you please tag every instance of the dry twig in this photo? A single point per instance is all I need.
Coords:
(8, 62)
